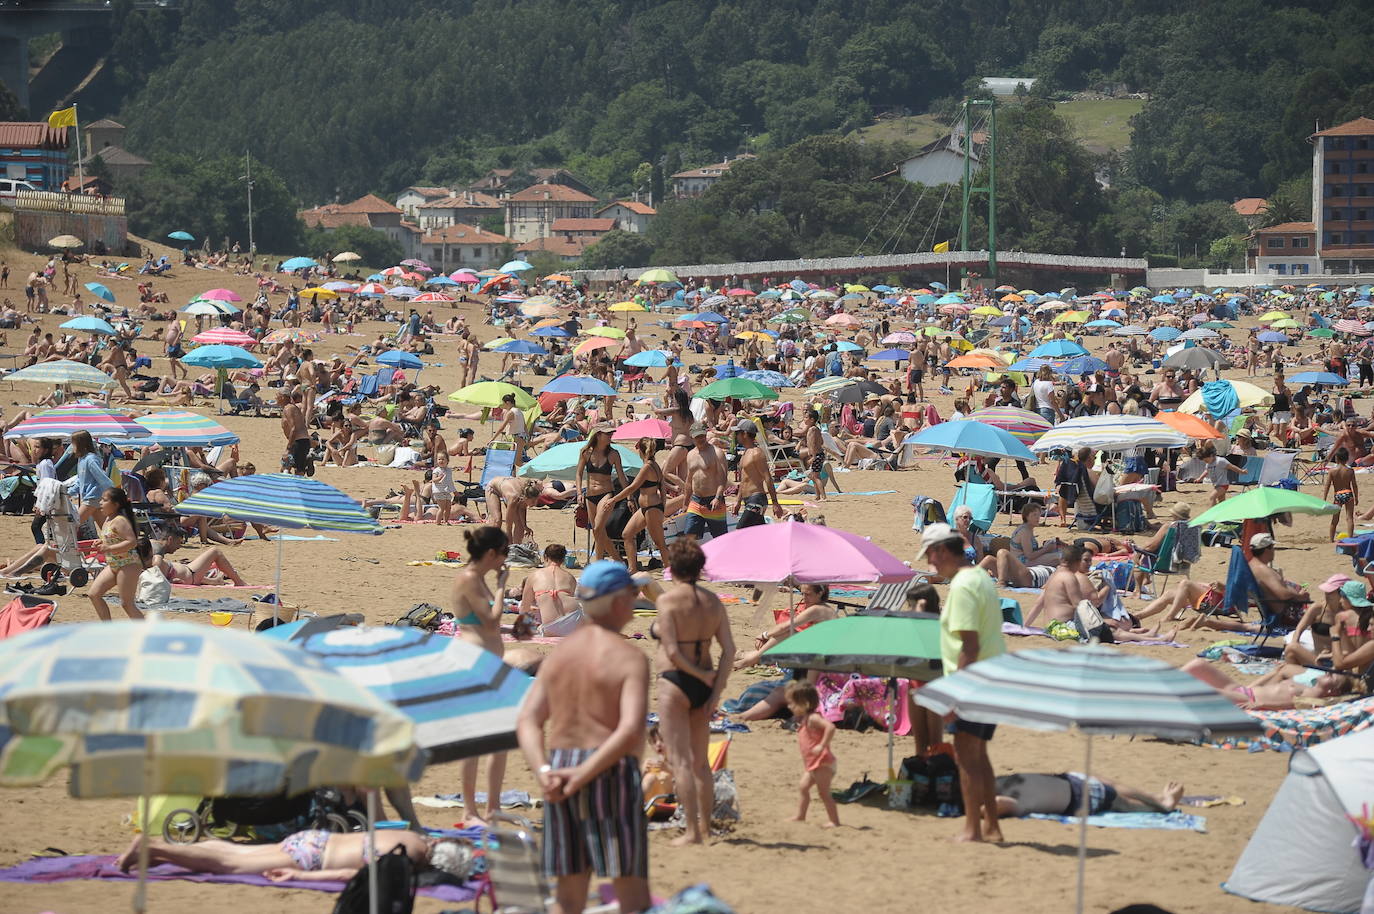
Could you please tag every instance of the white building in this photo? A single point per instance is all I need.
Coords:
(694, 181)
(531, 213)
(942, 162)
(629, 215)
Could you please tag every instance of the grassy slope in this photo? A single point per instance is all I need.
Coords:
(1101, 124)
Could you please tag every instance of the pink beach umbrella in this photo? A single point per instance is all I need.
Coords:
(464, 276)
(226, 335)
(643, 428)
(222, 295)
(800, 554)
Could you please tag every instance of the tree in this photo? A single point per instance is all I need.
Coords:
(376, 248)
(1227, 252)
(1281, 208)
(618, 249)
(10, 109)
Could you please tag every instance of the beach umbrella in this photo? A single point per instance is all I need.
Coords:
(65, 421)
(712, 317)
(183, 428)
(347, 257)
(433, 298)
(516, 266)
(221, 355)
(522, 347)
(842, 320)
(203, 306)
(1191, 426)
(657, 275)
(181, 236)
(538, 309)
(318, 292)
(298, 263)
(142, 707)
(63, 372)
(891, 355)
(403, 291)
(848, 346)
(962, 436)
(650, 358)
(440, 280)
(643, 428)
(371, 290)
(1290, 324)
(100, 291)
(1272, 316)
(1130, 330)
(901, 336)
(737, 388)
(1109, 433)
(227, 295)
(976, 360)
(1319, 378)
(622, 306)
(66, 242)
(464, 277)
(593, 343)
(1058, 349)
(774, 379)
(1093, 689)
(1323, 333)
(1071, 317)
(1269, 336)
(498, 341)
(399, 358)
(829, 385)
(1197, 359)
(799, 554)
(578, 385)
(1264, 501)
(88, 325)
(296, 335)
(560, 462)
(1083, 364)
(1028, 365)
(612, 332)
(1102, 324)
(339, 285)
(553, 332)
(858, 393)
(1355, 328)
(1022, 424)
(489, 393)
(763, 335)
(1198, 333)
(1165, 334)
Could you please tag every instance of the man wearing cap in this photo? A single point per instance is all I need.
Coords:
(756, 488)
(1272, 585)
(592, 692)
(970, 630)
(706, 483)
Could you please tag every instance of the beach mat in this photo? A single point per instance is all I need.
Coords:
(1165, 821)
(225, 586)
(1284, 731)
(191, 605)
(63, 869)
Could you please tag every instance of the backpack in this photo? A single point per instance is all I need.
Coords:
(396, 884)
(423, 615)
(524, 555)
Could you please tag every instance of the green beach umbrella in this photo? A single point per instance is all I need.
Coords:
(886, 646)
(658, 275)
(489, 393)
(1263, 502)
(740, 388)
(1322, 333)
(560, 462)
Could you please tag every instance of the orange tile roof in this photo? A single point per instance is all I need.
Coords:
(634, 206)
(462, 201)
(368, 203)
(329, 218)
(712, 171)
(458, 233)
(582, 225)
(560, 246)
(430, 192)
(1360, 126)
(1287, 227)
(32, 135)
(561, 193)
(1250, 206)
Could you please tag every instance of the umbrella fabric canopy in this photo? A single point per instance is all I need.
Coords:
(857, 393)
(183, 428)
(1199, 333)
(1320, 378)
(626, 306)
(1191, 426)
(1109, 433)
(962, 436)
(976, 360)
(560, 462)
(848, 346)
(226, 335)
(66, 421)
(643, 428)
(828, 385)
(593, 343)
(1083, 364)
(298, 263)
(204, 306)
(556, 333)
(1270, 336)
(489, 393)
(220, 355)
(612, 332)
(399, 358)
(901, 336)
(521, 347)
(1057, 349)
(767, 378)
(1165, 334)
(1022, 424)
(347, 257)
(63, 371)
(463, 699)
(283, 501)
(88, 325)
(65, 241)
(884, 646)
(650, 358)
(891, 355)
(580, 385)
(658, 275)
(740, 388)
(181, 236)
(1197, 359)
(1264, 501)
(1247, 394)
(100, 291)
(294, 334)
(515, 266)
(231, 295)
(799, 554)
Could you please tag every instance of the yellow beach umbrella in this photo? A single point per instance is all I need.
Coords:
(614, 332)
(754, 335)
(1272, 316)
(1248, 394)
(855, 287)
(626, 306)
(499, 341)
(318, 291)
(1286, 324)
(987, 311)
(1071, 317)
(1028, 292)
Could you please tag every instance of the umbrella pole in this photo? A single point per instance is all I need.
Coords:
(1083, 821)
(276, 607)
(141, 892)
(372, 851)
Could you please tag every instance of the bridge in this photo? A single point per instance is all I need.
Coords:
(85, 30)
(928, 263)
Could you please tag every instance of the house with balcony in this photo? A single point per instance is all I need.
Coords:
(531, 213)
(467, 207)
(629, 215)
(1343, 196)
(452, 247)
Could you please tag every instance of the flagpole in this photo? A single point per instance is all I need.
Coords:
(80, 169)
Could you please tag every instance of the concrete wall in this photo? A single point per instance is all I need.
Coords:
(33, 229)
(1197, 279)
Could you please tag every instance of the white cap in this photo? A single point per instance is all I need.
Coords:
(934, 534)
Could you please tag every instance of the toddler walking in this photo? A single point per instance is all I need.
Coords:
(814, 734)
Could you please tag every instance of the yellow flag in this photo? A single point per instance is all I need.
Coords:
(64, 118)
(941, 248)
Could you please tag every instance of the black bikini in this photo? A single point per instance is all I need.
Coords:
(696, 691)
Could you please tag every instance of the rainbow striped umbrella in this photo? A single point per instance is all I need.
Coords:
(66, 421)
(182, 428)
(1024, 425)
(227, 336)
(294, 334)
(63, 371)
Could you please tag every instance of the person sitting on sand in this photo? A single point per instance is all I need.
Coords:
(306, 856)
(1277, 690)
(1027, 562)
(548, 593)
(211, 566)
(1025, 794)
(1278, 591)
(814, 608)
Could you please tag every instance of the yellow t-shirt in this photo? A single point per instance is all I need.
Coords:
(972, 606)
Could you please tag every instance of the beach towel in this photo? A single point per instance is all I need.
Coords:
(751, 696)
(1284, 731)
(841, 692)
(62, 869)
(191, 605)
(1166, 821)
(222, 584)
(1220, 398)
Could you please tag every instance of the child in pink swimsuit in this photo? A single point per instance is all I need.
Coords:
(814, 734)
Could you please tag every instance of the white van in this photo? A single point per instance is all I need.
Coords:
(9, 187)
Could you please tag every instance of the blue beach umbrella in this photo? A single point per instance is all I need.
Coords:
(847, 346)
(298, 263)
(711, 317)
(221, 355)
(1102, 323)
(581, 385)
(63, 371)
(100, 291)
(399, 358)
(181, 236)
(1165, 334)
(440, 280)
(1320, 378)
(516, 266)
(651, 358)
(1083, 364)
(963, 436)
(1057, 349)
(560, 462)
(1163, 299)
(775, 379)
(891, 355)
(552, 332)
(1028, 364)
(88, 325)
(1272, 336)
(521, 347)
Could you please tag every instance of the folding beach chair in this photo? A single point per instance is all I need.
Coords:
(981, 499)
(1242, 591)
(1166, 562)
(1250, 473)
(25, 613)
(515, 881)
(887, 598)
(1277, 467)
(500, 461)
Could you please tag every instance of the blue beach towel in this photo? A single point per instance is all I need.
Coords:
(1220, 398)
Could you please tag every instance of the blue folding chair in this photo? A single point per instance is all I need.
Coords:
(982, 501)
(1242, 591)
(499, 462)
(1250, 474)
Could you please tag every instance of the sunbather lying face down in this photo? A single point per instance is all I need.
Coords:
(1062, 795)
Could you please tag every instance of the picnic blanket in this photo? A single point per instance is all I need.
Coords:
(191, 605)
(1285, 731)
(62, 869)
(1167, 821)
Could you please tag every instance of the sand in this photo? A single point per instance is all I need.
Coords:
(881, 860)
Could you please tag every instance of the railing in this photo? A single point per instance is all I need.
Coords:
(48, 201)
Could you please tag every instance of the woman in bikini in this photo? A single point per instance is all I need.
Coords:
(126, 553)
(548, 591)
(814, 608)
(478, 614)
(690, 617)
(648, 486)
(680, 417)
(600, 464)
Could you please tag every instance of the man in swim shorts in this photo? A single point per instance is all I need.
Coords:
(592, 695)
(706, 483)
(1062, 795)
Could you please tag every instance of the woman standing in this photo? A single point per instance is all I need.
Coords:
(648, 485)
(600, 464)
(91, 481)
(478, 614)
(1281, 411)
(513, 421)
(680, 417)
(690, 617)
(126, 554)
(1046, 399)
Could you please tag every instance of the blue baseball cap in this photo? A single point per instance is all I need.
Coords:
(606, 577)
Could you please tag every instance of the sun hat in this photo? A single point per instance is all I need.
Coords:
(1333, 583)
(1181, 511)
(698, 428)
(606, 577)
(934, 534)
(1261, 541)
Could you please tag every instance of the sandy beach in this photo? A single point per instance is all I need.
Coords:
(881, 860)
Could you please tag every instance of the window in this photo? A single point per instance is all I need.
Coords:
(476, 253)
(1362, 190)
(1300, 242)
(1334, 215)
(1274, 243)
(1335, 142)
(1335, 190)
(1361, 215)
(1333, 168)
(1362, 143)
(1280, 268)
(438, 255)
(1334, 238)
(1362, 168)
(1300, 268)
(1362, 238)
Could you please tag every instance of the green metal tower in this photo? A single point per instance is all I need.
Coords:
(990, 188)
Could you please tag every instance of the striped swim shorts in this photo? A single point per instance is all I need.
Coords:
(602, 827)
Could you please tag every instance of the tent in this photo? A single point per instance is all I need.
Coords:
(1302, 853)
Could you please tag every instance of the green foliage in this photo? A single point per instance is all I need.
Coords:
(618, 249)
(10, 109)
(1227, 252)
(376, 248)
(205, 197)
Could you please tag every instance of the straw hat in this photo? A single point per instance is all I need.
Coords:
(1181, 511)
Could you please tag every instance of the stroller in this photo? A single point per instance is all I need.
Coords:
(270, 818)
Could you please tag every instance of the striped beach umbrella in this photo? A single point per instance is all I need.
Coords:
(66, 421)
(1355, 328)
(1023, 425)
(463, 699)
(1109, 433)
(828, 385)
(183, 428)
(63, 371)
(294, 334)
(227, 336)
(1092, 689)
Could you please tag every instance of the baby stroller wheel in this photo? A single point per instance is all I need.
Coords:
(79, 577)
(182, 826)
(337, 823)
(49, 571)
(357, 821)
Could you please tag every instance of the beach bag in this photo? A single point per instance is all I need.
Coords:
(1105, 491)
(524, 555)
(422, 615)
(1090, 624)
(153, 587)
(48, 498)
(396, 885)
